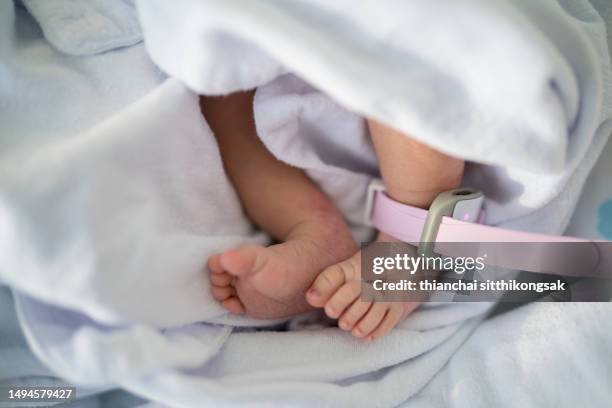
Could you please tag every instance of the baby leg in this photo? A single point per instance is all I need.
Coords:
(270, 282)
(413, 174)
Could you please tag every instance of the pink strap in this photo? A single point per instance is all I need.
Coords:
(406, 223)
(401, 221)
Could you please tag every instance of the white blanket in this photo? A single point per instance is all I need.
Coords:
(112, 191)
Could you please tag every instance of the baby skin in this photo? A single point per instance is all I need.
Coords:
(316, 263)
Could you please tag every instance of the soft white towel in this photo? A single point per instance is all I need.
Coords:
(540, 355)
(499, 83)
(87, 27)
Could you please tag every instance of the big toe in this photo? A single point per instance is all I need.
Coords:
(332, 279)
(244, 260)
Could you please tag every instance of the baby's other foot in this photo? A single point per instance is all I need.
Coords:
(337, 290)
(270, 282)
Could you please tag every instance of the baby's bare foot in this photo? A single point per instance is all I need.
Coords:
(337, 289)
(270, 282)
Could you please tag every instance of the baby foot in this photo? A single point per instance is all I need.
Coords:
(270, 282)
(337, 290)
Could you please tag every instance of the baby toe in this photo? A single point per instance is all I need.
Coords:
(221, 293)
(233, 305)
(244, 260)
(391, 319)
(371, 320)
(329, 281)
(221, 279)
(353, 314)
(214, 264)
(342, 299)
